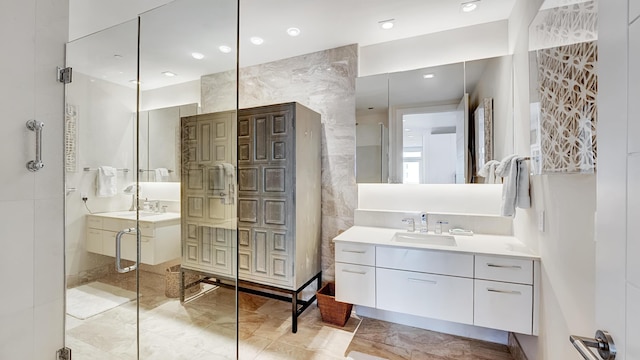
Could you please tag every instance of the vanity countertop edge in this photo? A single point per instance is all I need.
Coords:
(482, 244)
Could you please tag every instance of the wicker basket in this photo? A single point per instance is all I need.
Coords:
(172, 282)
(332, 311)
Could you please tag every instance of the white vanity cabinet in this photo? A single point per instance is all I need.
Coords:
(503, 295)
(462, 285)
(356, 274)
(160, 236)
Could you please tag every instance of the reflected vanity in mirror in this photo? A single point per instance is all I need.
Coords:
(443, 122)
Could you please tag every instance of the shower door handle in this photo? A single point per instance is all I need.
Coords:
(602, 341)
(37, 164)
(119, 235)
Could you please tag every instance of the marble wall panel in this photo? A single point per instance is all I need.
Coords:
(324, 82)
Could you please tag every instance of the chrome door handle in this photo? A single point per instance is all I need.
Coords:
(119, 268)
(603, 342)
(37, 164)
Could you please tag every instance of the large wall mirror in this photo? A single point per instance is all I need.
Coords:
(435, 125)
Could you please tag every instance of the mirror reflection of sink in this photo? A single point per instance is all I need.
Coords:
(424, 238)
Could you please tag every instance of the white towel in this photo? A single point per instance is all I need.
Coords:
(230, 174)
(106, 184)
(488, 172)
(515, 187)
(162, 174)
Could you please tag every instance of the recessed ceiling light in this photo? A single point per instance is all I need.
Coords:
(197, 55)
(469, 6)
(134, 81)
(224, 48)
(386, 24)
(428, 76)
(169, 73)
(256, 40)
(293, 31)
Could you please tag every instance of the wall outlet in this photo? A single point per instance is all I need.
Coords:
(84, 196)
(541, 221)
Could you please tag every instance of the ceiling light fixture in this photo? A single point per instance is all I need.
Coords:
(197, 55)
(256, 40)
(224, 49)
(386, 24)
(293, 31)
(469, 6)
(169, 73)
(428, 76)
(134, 81)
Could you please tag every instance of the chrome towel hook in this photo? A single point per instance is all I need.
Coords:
(37, 164)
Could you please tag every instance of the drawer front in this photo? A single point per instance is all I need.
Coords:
(503, 306)
(356, 284)
(504, 269)
(434, 296)
(127, 246)
(351, 253)
(435, 262)
(94, 241)
(94, 222)
(146, 228)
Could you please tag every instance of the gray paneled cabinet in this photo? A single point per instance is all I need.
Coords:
(278, 194)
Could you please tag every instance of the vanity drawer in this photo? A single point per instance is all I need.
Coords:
(94, 222)
(352, 253)
(503, 306)
(356, 284)
(446, 298)
(435, 262)
(504, 269)
(94, 241)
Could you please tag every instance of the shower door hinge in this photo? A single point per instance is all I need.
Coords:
(64, 354)
(64, 75)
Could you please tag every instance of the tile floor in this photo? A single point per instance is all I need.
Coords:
(204, 328)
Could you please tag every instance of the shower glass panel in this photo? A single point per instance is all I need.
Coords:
(133, 110)
(179, 44)
(100, 178)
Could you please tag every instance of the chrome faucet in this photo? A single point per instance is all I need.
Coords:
(411, 224)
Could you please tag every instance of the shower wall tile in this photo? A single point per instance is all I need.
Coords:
(324, 82)
(47, 333)
(49, 252)
(16, 335)
(16, 258)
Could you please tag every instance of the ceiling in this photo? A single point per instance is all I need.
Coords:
(170, 33)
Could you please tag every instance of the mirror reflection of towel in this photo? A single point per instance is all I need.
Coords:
(162, 174)
(106, 181)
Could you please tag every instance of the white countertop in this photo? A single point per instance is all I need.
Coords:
(144, 216)
(475, 244)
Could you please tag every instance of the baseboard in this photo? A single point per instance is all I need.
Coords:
(515, 348)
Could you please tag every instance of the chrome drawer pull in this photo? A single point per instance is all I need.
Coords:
(504, 291)
(423, 281)
(505, 266)
(354, 272)
(354, 251)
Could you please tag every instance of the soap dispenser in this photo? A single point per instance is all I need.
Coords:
(423, 223)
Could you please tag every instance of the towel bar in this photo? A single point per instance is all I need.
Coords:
(90, 169)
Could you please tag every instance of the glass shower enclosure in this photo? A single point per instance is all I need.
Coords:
(126, 153)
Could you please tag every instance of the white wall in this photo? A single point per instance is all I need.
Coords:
(446, 47)
(31, 204)
(566, 246)
(174, 95)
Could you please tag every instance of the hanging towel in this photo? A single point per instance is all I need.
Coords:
(488, 172)
(515, 187)
(162, 174)
(230, 175)
(106, 181)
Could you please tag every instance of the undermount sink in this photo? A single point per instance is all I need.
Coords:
(424, 238)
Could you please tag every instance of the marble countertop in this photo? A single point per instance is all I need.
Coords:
(476, 244)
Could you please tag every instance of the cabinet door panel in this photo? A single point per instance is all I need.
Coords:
(503, 306)
(356, 284)
(446, 298)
